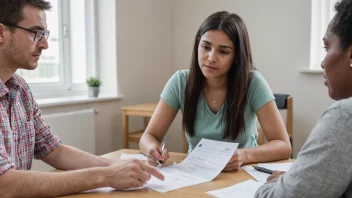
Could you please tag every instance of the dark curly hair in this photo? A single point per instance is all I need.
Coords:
(342, 23)
(11, 10)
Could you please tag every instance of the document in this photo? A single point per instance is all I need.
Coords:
(135, 156)
(245, 189)
(174, 178)
(206, 161)
(260, 176)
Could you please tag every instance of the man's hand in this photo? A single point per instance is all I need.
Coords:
(131, 173)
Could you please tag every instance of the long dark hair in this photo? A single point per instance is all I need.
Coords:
(238, 78)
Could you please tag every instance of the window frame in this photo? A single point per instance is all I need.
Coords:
(66, 87)
(321, 13)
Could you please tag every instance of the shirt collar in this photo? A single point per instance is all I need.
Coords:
(12, 83)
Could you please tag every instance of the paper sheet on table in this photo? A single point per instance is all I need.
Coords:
(206, 161)
(136, 156)
(109, 189)
(174, 178)
(260, 176)
(245, 189)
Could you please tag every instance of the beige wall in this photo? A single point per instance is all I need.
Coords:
(155, 38)
(143, 39)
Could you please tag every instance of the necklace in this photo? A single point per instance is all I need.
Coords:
(217, 95)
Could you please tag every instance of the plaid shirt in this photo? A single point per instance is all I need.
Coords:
(23, 133)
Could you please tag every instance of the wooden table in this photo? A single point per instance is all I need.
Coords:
(144, 110)
(223, 180)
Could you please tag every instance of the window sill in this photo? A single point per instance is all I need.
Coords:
(60, 101)
(311, 71)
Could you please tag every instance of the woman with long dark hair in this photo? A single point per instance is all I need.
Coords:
(221, 96)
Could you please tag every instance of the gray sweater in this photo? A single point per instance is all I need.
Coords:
(324, 166)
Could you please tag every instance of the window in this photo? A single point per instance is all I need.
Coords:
(63, 68)
(50, 65)
(322, 13)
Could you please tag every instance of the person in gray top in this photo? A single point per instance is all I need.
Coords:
(324, 166)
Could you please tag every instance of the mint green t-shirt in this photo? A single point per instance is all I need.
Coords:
(209, 125)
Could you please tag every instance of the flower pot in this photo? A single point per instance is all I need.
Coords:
(93, 91)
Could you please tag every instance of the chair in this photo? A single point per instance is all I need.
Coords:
(143, 110)
(146, 111)
(283, 102)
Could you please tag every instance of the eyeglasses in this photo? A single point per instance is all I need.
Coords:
(38, 34)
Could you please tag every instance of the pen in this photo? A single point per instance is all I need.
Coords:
(162, 149)
(153, 159)
(264, 170)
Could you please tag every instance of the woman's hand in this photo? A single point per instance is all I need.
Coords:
(236, 161)
(275, 175)
(156, 154)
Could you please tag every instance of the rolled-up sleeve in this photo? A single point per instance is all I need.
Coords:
(5, 162)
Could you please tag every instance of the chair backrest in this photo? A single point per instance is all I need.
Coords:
(285, 102)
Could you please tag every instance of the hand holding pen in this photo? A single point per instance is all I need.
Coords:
(158, 155)
(161, 161)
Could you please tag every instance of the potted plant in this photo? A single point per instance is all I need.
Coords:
(93, 86)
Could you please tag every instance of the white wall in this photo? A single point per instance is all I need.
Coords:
(279, 32)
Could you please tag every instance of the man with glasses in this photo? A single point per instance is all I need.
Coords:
(38, 34)
(24, 134)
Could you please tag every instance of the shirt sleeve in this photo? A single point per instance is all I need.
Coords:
(259, 92)
(45, 140)
(323, 167)
(171, 93)
(5, 163)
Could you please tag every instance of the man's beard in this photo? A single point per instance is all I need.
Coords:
(15, 58)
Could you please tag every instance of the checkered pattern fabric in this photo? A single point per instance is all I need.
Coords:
(23, 133)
